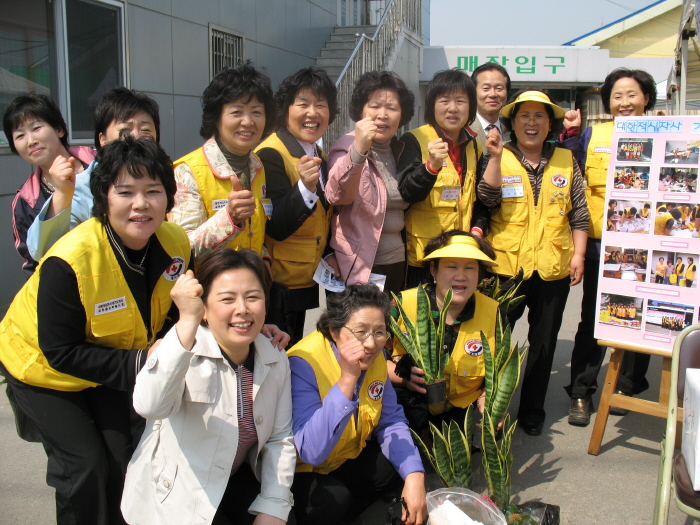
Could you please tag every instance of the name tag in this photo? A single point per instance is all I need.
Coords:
(219, 204)
(512, 186)
(602, 149)
(267, 206)
(450, 193)
(110, 306)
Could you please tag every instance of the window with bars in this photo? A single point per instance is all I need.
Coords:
(226, 49)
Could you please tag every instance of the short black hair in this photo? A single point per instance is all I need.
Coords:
(644, 79)
(120, 104)
(313, 78)
(557, 123)
(231, 84)
(491, 66)
(37, 106)
(447, 82)
(444, 238)
(675, 213)
(374, 81)
(224, 259)
(140, 157)
(340, 307)
(691, 260)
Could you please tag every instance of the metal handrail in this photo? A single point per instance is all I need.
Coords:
(370, 54)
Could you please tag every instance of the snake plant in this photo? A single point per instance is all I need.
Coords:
(422, 339)
(450, 453)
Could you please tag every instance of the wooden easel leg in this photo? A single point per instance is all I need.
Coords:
(601, 418)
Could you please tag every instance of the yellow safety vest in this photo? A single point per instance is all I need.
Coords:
(660, 223)
(596, 174)
(644, 212)
(294, 259)
(466, 370)
(214, 189)
(113, 317)
(535, 237)
(690, 272)
(434, 215)
(316, 350)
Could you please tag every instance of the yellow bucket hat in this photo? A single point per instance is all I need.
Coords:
(461, 247)
(533, 96)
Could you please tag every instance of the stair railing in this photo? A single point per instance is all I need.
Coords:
(370, 54)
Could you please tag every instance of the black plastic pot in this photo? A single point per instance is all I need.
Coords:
(436, 392)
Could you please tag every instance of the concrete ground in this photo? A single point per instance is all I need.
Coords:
(616, 487)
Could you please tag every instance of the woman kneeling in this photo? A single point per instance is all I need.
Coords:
(353, 441)
(215, 394)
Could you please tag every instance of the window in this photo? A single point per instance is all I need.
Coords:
(226, 49)
(71, 50)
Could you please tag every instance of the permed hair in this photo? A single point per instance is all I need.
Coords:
(644, 79)
(447, 82)
(119, 105)
(313, 78)
(341, 306)
(384, 80)
(220, 261)
(231, 84)
(491, 66)
(557, 123)
(140, 157)
(444, 238)
(33, 105)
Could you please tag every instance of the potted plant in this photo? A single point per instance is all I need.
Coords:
(423, 341)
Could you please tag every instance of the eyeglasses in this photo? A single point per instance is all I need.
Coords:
(539, 118)
(380, 336)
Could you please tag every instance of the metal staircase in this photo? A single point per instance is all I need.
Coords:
(348, 62)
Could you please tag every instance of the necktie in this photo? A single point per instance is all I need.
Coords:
(489, 128)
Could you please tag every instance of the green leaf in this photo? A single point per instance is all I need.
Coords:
(423, 320)
(442, 456)
(461, 453)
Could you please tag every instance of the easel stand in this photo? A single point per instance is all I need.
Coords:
(608, 397)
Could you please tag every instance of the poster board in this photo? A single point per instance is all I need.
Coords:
(653, 170)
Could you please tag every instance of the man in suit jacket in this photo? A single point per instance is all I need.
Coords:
(492, 87)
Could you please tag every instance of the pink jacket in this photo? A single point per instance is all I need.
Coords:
(359, 195)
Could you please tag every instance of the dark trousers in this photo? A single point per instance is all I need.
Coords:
(242, 489)
(395, 276)
(416, 275)
(339, 497)
(587, 356)
(87, 438)
(546, 301)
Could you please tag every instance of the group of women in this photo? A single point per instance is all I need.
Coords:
(129, 309)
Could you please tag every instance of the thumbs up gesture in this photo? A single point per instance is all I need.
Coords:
(241, 203)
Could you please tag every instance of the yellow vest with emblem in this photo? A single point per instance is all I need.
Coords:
(535, 237)
(294, 259)
(429, 218)
(466, 370)
(660, 223)
(596, 174)
(212, 189)
(316, 350)
(102, 286)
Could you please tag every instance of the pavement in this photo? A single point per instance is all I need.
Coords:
(617, 487)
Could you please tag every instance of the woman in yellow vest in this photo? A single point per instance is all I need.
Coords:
(351, 434)
(77, 333)
(296, 172)
(679, 271)
(456, 260)
(660, 271)
(625, 93)
(690, 272)
(449, 180)
(540, 226)
(221, 196)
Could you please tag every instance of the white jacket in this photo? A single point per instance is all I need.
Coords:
(182, 465)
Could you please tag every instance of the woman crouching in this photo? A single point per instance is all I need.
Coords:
(215, 393)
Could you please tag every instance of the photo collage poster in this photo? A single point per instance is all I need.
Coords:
(648, 282)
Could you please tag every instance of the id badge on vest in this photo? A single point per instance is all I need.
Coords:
(267, 206)
(512, 186)
(219, 204)
(450, 193)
